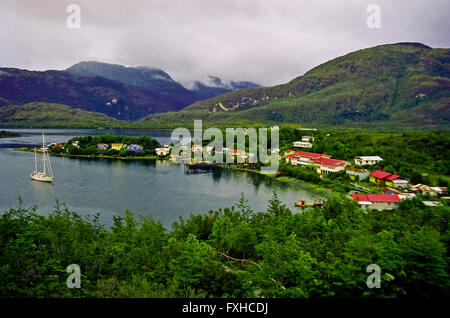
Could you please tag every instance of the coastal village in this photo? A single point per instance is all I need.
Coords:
(372, 188)
(381, 190)
(393, 187)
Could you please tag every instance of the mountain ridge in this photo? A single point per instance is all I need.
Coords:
(401, 83)
(153, 80)
(125, 93)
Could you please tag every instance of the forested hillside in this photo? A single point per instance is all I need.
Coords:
(233, 252)
(401, 85)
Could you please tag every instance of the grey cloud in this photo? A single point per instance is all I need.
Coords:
(265, 41)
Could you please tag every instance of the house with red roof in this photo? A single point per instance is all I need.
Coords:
(381, 201)
(378, 177)
(327, 165)
(323, 163)
(304, 158)
(382, 178)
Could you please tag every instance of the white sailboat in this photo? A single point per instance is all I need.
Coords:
(46, 175)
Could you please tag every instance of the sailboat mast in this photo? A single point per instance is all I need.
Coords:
(35, 159)
(43, 150)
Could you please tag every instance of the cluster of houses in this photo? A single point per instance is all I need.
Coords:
(394, 191)
(186, 152)
(427, 191)
(119, 146)
(390, 199)
(325, 164)
(162, 152)
(240, 154)
(395, 188)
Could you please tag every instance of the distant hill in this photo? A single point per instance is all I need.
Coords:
(210, 86)
(52, 115)
(154, 81)
(96, 94)
(404, 85)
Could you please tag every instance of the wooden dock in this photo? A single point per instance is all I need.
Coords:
(198, 167)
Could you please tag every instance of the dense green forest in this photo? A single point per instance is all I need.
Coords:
(234, 252)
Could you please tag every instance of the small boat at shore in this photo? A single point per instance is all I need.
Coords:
(46, 174)
(303, 204)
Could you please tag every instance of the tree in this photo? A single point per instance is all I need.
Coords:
(276, 207)
(416, 178)
(287, 270)
(425, 263)
(389, 169)
(244, 209)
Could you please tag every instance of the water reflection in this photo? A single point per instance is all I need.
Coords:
(150, 187)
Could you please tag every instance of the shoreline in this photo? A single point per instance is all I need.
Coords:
(149, 157)
(305, 185)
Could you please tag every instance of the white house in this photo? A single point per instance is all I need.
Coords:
(367, 160)
(362, 174)
(162, 151)
(76, 143)
(303, 144)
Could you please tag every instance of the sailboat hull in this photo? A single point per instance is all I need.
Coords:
(47, 174)
(41, 177)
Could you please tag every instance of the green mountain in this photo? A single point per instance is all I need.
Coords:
(52, 115)
(404, 85)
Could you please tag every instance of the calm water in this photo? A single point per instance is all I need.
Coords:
(155, 187)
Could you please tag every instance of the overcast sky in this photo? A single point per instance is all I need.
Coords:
(265, 41)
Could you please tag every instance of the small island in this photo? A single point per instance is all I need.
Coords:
(8, 134)
(105, 146)
(108, 146)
